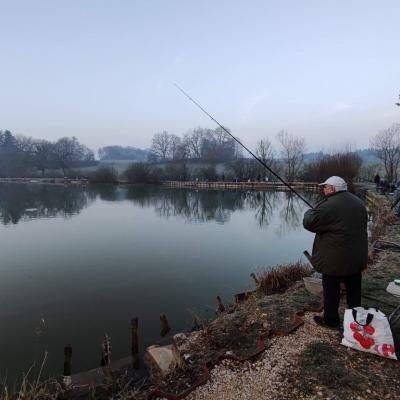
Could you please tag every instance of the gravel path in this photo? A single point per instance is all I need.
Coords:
(265, 379)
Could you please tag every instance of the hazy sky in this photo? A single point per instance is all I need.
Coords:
(104, 70)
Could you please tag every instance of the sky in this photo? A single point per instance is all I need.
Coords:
(103, 71)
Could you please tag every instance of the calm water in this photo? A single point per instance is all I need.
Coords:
(78, 262)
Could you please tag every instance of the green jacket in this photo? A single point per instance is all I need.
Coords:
(341, 241)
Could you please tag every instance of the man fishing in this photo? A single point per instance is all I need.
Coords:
(340, 249)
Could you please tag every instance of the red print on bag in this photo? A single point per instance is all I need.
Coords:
(369, 329)
(361, 334)
(385, 349)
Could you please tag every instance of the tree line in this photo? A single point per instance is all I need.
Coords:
(199, 144)
(212, 146)
(23, 156)
(199, 154)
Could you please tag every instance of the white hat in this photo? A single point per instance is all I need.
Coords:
(337, 182)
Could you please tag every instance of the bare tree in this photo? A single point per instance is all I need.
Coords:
(68, 152)
(181, 152)
(161, 144)
(175, 142)
(387, 148)
(221, 136)
(194, 140)
(43, 156)
(292, 152)
(266, 153)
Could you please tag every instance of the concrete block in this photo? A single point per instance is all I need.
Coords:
(160, 359)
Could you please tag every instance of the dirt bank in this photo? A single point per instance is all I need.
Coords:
(310, 363)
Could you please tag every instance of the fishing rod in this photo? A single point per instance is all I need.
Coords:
(247, 149)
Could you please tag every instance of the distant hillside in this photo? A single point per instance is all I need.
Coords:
(367, 156)
(122, 153)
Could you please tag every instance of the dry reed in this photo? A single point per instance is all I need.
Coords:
(382, 214)
(32, 388)
(281, 277)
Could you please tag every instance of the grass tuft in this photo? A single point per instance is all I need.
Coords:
(281, 277)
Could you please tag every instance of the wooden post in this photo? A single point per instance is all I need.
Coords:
(135, 343)
(106, 352)
(221, 307)
(67, 365)
(165, 328)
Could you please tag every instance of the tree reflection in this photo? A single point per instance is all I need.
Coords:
(197, 206)
(264, 204)
(20, 201)
(292, 210)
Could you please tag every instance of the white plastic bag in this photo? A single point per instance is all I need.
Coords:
(368, 330)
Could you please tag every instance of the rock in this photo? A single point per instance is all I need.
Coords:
(160, 359)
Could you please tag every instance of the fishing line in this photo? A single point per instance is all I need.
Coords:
(241, 144)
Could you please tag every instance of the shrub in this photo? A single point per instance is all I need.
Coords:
(176, 171)
(140, 172)
(104, 174)
(209, 173)
(346, 165)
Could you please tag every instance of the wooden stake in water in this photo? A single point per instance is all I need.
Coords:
(67, 365)
(106, 351)
(135, 342)
(165, 328)
(221, 307)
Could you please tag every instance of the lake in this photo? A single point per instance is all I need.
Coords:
(76, 262)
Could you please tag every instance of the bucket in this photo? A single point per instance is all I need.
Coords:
(313, 285)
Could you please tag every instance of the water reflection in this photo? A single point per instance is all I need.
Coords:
(125, 254)
(44, 201)
(24, 202)
(291, 214)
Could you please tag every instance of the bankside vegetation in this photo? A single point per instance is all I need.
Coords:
(387, 148)
(104, 174)
(24, 156)
(140, 172)
(201, 153)
(346, 164)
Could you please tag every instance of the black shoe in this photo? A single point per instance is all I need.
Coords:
(321, 322)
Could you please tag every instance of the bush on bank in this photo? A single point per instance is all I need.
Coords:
(104, 174)
(141, 172)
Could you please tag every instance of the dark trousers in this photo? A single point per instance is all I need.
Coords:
(331, 285)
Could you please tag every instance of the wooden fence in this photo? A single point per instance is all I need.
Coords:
(304, 186)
